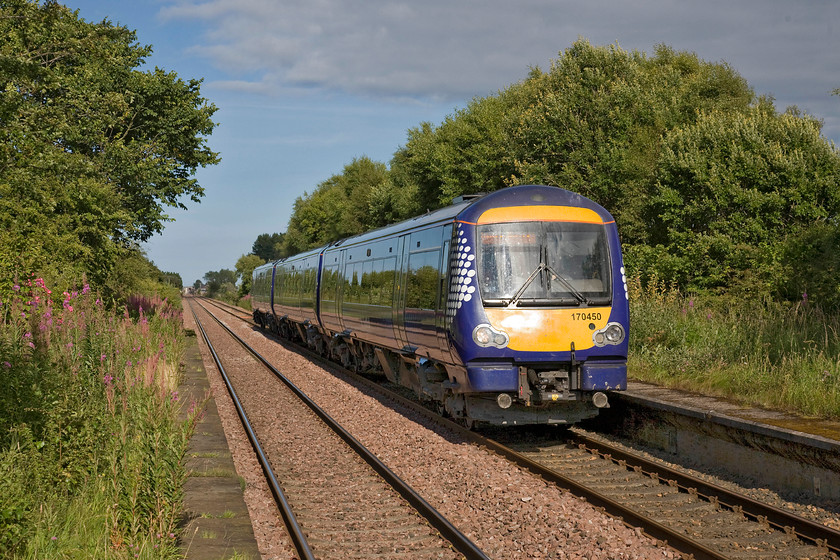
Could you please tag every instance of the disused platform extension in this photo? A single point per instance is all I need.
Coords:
(215, 521)
(784, 451)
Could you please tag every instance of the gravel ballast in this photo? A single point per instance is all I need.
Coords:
(507, 512)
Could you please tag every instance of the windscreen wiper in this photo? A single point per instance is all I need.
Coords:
(572, 290)
(540, 268)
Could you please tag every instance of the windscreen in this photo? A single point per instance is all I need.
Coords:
(543, 263)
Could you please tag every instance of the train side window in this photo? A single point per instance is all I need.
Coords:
(367, 282)
(355, 281)
(423, 279)
(329, 284)
(426, 239)
(389, 278)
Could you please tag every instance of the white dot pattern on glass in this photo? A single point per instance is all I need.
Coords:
(624, 280)
(462, 273)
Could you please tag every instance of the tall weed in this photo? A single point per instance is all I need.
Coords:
(89, 442)
(759, 352)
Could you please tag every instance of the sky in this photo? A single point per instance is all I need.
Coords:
(303, 87)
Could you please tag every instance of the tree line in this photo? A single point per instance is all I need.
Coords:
(712, 187)
(93, 148)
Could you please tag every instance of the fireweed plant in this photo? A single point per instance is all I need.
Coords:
(764, 353)
(92, 430)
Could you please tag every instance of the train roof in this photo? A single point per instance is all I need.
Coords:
(531, 195)
(436, 216)
(467, 208)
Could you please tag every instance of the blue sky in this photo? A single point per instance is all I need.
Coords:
(304, 86)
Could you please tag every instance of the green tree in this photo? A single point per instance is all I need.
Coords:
(391, 203)
(92, 149)
(339, 207)
(171, 279)
(220, 282)
(594, 122)
(244, 269)
(268, 247)
(732, 189)
(711, 187)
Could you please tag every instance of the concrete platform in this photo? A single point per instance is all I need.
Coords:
(815, 431)
(782, 450)
(215, 521)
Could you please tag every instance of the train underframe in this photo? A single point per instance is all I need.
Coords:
(544, 396)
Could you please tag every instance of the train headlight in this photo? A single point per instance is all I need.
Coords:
(613, 333)
(486, 336)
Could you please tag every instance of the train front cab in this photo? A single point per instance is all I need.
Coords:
(537, 308)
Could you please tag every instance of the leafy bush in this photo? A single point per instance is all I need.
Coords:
(89, 426)
(759, 352)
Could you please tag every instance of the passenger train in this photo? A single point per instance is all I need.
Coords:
(507, 308)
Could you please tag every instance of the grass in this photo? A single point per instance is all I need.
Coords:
(227, 514)
(217, 472)
(781, 356)
(90, 448)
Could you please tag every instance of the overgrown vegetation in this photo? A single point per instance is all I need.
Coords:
(92, 148)
(92, 151)
(765, 353)
(90, 448)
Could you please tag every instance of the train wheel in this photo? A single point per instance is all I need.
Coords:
(467, 423)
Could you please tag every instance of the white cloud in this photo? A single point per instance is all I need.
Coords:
(457, 49)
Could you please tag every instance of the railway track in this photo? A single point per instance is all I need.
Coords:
(337, 499)
(686, 511)
(696, 518)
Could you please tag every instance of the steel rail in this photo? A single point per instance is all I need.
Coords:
(805, 529)
(294, 528)
(652, 528)
(460, 542)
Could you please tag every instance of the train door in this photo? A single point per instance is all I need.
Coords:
(421, 289)
(443, 292)
(398, 308)
(340, 290)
